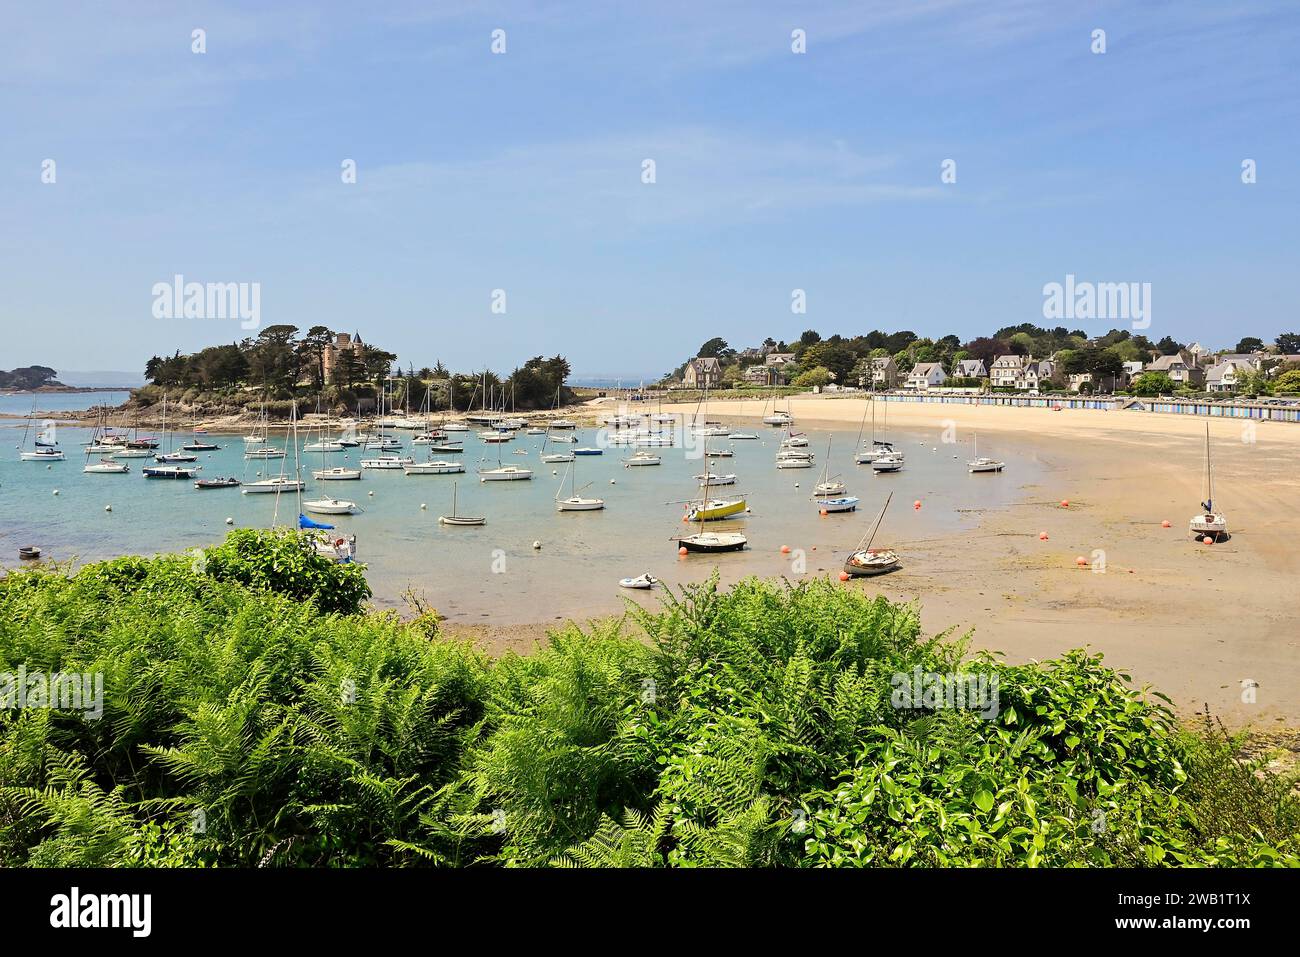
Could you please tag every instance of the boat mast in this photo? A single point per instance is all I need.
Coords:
(875, 526)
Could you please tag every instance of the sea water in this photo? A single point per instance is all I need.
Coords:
(493, 573)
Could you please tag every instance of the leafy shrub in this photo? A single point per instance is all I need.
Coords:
(244, 724)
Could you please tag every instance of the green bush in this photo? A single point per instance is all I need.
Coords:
(245, 722)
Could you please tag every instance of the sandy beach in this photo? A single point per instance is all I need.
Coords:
(1193, 621)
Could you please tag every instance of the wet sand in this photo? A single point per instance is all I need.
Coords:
(1193, 621)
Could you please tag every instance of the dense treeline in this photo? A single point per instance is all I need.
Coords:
(254, 715)
(281, 364)
(28, 378)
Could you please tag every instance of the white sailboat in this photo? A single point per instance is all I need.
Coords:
(1209, 523)
(44, 447)
(982, 463)
(878, 448)
(827, 486)
(576, 502)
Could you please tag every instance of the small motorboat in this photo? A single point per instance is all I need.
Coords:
(336, 474)
(741, 436)
(445, 448)
(228, 482)
(714, 478)
(197, 446)
(641, 581)
(641, 458)
(324, 445)
(269, 486)
(888, 463)
(843, 503)
(434, 468)
(793, 462)
(264, 452)
(719, 454)
(168, 472)
(175, 458)
(588, 451)
(551, 458)
(107, 467)
(388, 462)
(331, 506)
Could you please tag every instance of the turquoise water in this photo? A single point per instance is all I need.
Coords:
(20, 403)
(493, 573)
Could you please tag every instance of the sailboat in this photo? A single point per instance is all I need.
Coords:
(777, 418)
(1209, 523)
(708, 510)
(865, 456)
(504, 473)
(44, 448)
(171, 456)
(168, 467)
(453, 518)
(576, 502)
(274, 485)
(982, 463)
(641, 458)
(865, 560)
(826, 485)
(105, 466)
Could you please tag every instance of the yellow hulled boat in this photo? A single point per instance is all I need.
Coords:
(717, 508)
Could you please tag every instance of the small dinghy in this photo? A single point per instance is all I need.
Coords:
(230, 482)
(641, 581)
(29, 553)
(843, 503)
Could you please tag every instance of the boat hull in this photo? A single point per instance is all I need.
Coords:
(716, 510)
(871, 563)
(710, 544)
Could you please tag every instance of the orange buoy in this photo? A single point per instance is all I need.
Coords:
(1207, 540)
(686, 518)
(916, 504)
(1165, 523)
(1065, 503)
(1042, 536)
(785, 549)
(682, 551)
(1081, 561)
(824, 512)
(844, 576)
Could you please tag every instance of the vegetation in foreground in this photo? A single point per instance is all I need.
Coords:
(254, 714)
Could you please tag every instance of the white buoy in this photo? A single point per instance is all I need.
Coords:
(537, 545)
(423, 506)
(612, 482)
(108, 508)
(230, 521)
(56, 491)
(796, 484)
(371, 494)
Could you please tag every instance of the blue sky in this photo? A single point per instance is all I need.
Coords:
(522, 171)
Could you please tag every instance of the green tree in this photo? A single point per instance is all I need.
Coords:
(819, 376)
(1249, 344)
(1288, 343)
(1152, 383)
